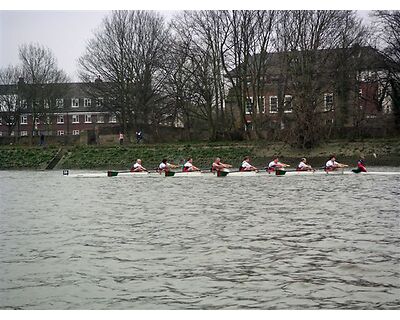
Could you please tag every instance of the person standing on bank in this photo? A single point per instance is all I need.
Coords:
(121, 138)
(139, 136)
(42, 139)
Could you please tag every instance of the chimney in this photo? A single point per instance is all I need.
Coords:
(21, 81)
(98, 80)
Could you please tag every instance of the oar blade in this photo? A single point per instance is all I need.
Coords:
(222, 173)
(280, 172)
(112, 173)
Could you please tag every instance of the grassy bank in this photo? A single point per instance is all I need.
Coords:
(19, 157)
(115, 157)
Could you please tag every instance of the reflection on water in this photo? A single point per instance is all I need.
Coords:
(199, 243)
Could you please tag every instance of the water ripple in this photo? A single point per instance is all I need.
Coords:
(207, 243)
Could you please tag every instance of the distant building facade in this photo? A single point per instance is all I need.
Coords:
(70, 112)
(367, 100)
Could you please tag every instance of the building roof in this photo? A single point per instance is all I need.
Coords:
(364, 58)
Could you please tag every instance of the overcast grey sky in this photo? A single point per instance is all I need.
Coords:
(64, 32)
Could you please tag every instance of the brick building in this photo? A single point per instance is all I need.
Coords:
(367, 99)
(68, 110)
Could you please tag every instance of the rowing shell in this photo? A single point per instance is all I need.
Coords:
(338, 173)
(224, 174)
(187, 174)
(105, 174)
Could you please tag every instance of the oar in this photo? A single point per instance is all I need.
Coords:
(280, 172)
(111, 173)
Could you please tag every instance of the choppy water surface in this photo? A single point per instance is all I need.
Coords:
(199, 243)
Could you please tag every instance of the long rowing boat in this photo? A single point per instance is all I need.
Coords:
(176, 174)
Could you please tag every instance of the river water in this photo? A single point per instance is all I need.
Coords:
(315, 242)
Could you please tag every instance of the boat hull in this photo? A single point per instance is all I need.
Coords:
(228, 174)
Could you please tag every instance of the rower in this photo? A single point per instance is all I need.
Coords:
(303, 166)
(360, 166)
(189, 167)
(275, 165)
(246, 166)
(219, 166)
(332, 164)
(137, 167)
(165, 166)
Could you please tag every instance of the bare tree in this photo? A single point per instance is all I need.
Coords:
(41, 76)
(10, 102)
(309, 42)
(126, 53)
(245, 58)
(388, 28)
(198, 69)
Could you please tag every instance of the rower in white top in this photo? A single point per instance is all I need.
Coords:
(137, 167)
(332, 165)
(303, 166)
(165, 166)
(189, 167)
(246, 166)
(275, 165)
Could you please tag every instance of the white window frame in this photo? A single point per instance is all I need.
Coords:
(60, 132)
(325, 101)
(113, 118)
(270, 105)
(76, 120)
(262, 100)
(37, 120)
(100, 116)
(88, 118)
(252, 104)
(87, 102)
(23, 133)
(75, 105)
(24, 119)
(75, 132)
(291, 103)
(22, 103)
(11, 120)
(59, 102)
(99, 102)
(60, 119)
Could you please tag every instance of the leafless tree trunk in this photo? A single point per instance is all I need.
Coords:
(127, 54)
(245, 58)
(41, 76)
(308, 40)
(198, 44)
(10, 102)
(388, 30)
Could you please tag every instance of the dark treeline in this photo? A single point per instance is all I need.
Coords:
(211, 70)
